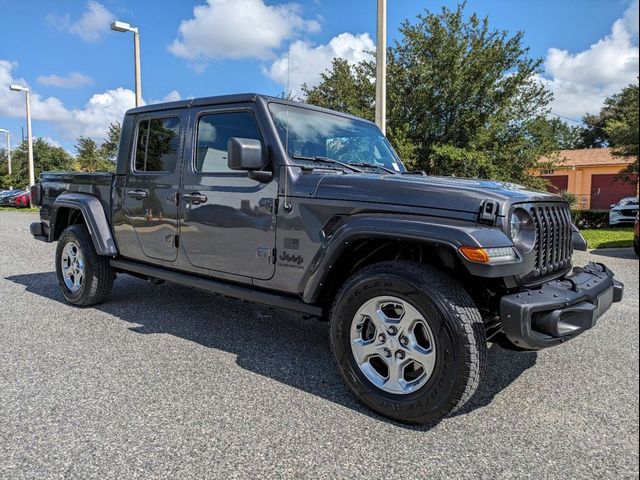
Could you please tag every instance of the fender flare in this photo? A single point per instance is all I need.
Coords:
(94, 217)
(428, 230)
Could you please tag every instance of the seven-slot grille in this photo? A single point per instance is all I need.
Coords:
(554, 246)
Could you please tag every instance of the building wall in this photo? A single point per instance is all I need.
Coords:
(579, 180)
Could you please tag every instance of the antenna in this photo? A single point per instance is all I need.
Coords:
(288, 75)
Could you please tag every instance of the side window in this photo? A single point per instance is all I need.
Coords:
(214, 131)
(157, 145)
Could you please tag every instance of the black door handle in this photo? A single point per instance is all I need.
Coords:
(195, 198)
(138, 194)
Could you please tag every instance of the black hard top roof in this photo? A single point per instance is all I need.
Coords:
(227, 99)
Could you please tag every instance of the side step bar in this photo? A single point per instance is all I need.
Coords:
(239, 292)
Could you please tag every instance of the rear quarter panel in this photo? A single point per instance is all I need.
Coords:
(53, 184)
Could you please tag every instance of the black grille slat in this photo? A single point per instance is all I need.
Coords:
(553, 249)
(557, 253)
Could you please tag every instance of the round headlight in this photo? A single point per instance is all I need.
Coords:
(522, 230)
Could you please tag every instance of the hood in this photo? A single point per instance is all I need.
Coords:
(442, 193)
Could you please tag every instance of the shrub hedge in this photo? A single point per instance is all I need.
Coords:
(584, 219)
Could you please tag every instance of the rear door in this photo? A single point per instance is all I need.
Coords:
(227, 220)
(151, 189)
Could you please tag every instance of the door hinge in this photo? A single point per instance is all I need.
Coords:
(176, 241)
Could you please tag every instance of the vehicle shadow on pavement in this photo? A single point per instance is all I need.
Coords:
(615, 253)
(282, 346)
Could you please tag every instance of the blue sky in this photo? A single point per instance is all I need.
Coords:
(81, 73)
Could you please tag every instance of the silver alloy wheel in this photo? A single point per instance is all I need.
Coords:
(393, 345)
(72, 264)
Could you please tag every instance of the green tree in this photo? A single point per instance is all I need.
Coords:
(559, 133)
(109, 148)
(91, 157)
(463, 99)
(593, 133)
(621, 126)
(345, 88)
(46, 157)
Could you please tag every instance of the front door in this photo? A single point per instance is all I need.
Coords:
(150, 193)
(227, 220)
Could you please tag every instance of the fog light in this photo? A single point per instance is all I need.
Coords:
(489, 255)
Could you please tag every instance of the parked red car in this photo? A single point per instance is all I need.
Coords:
(22, 200)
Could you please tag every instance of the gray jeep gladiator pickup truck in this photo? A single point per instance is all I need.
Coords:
(306, 209)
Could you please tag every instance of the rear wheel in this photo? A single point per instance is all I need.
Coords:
(408, 340)
(85, 278)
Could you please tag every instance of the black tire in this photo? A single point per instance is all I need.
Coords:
(458, 330)
(98, 275)
(636, 247)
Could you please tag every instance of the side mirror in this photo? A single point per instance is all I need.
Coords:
(245, 154)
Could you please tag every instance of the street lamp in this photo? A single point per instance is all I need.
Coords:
(125, 27)
(381, 66)
(27, 96)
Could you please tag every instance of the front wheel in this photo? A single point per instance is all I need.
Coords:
(408, 341)
(85, 278)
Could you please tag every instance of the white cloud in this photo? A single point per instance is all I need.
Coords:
(12, 103)
(305, 62)
(172, 96)
(92, 120)
(101, 110)
(72, 80)
(239, 29)
(51, 141)
(581, 81)
(90, 27)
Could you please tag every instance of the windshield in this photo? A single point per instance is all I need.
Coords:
(629, 201)
(307, 133)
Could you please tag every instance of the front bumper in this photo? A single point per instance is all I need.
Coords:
(560, 310)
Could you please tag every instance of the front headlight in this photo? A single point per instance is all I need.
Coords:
(522, 230)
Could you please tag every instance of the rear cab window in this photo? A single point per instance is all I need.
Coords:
(157, 145)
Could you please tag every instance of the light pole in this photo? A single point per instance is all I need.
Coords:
(381, 66)
(125, 27)
(27, 96)
(8, 133)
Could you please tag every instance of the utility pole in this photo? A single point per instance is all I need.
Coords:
(381, 67)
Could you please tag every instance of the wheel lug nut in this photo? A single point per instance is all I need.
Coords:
(381, 337)
(387, 352)
(404, 340)
(393, 330)
(400, 354)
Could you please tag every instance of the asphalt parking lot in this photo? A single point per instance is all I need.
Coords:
(167, 382)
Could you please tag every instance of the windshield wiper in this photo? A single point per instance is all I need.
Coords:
(374, 165)
(327, 160)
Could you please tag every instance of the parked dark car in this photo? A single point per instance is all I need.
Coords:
(5, 197)
(302, 208)
(20, 200)
(624, 212)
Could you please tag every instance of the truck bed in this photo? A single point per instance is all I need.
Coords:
(56, 183)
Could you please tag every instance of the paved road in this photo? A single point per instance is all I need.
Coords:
(167, 382)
